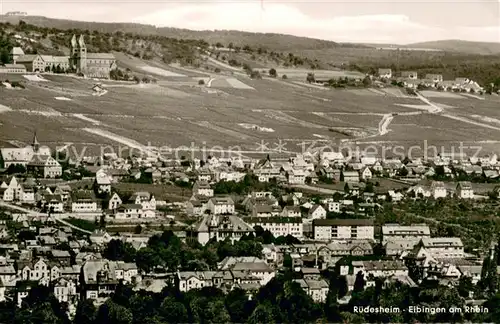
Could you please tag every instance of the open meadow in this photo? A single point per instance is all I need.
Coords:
(235, 111)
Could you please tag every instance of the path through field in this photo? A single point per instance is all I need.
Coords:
(384, 123)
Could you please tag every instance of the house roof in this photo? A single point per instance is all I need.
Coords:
(17, 51)
(102, 56)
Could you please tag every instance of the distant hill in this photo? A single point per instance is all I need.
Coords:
(452, 45)
(276, 42)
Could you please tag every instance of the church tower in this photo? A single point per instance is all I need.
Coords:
(79, 54)
(36, 144)
(82, 54)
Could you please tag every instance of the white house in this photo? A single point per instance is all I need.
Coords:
(146, 200)
(343, 229)
(291, 211)
(84, 201)
(103, 181)
(464, 190)
(114, 202)
(438, 189)
(317, 212)
(221, 227)
(385, 73)
(128, 211)
(201, 188)
(45, 165)
(296, 176)
(443, 247)
(366, 173)
(279, 226)
(317, 289)
(220, 205)
(65, 290)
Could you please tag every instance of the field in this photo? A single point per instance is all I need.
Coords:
(177, 112)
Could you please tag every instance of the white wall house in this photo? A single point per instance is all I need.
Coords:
(464, 190)
(221, 205)
(279, 226)
(343, 229)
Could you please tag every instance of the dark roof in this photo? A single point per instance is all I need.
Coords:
(342, 222)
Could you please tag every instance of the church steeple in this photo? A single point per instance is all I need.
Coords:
(36, 144)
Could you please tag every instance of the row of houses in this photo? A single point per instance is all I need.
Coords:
(411, 80)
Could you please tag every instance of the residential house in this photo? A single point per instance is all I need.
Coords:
(443, 247)
(221, 227)
(103, 182)
(114, 202)
(84, 201)
(145, 199)
(464, 190)
(436, 78)
(383, 269)
(128, 211)
(316, 212)
(65, 290)
(438, 189)
(412, 75)
(278, 226)
(291, 211)
(197, 206)
(45, 166)
(220, 205)
(53, 203)
(350, 176)
(296, 176)
(265, 170)
(251, 265)
(202, 189)
(331, 253)
(317, 289)
(265, 210)
(385, 73)
(366, 173)
(343, 229)
(332, 205)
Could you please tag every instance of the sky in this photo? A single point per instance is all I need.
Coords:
(360, 21)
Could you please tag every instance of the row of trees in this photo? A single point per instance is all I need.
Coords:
(280, 301)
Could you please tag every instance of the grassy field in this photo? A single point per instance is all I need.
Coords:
(168, 193)
(172, 114)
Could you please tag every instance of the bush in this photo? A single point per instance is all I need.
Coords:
(16, 84)
(201, 82)
(255, 75)
(284, 77)
(217, 70)
(273, 73)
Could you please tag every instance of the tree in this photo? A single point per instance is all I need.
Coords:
(273, 73)
(85, 312)
(201, 82)
(310, 77)
(173, 311)
(359, 283)
(367, 81)
(284, 77)
(117, 250)
(263, 313)
(4, 56)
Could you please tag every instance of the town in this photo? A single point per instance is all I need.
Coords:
(149, 176)
(64, 222)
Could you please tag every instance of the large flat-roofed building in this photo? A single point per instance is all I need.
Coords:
(396, 232)
(343, 229)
